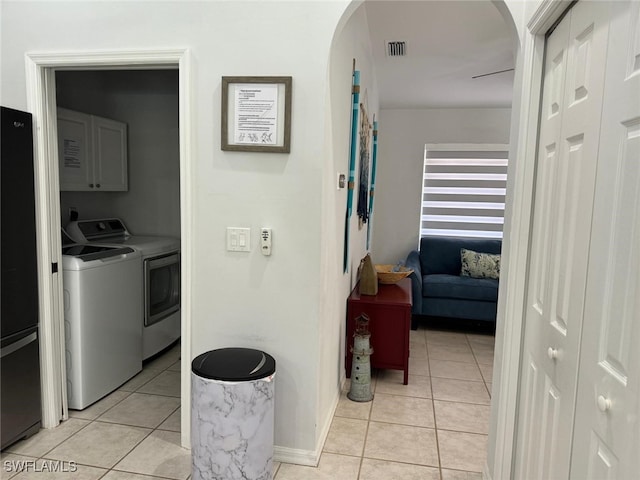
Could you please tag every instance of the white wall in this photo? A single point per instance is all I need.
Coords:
(514, 249)
(402, 137)
(350, 42)
(147, 101)
(238, 299)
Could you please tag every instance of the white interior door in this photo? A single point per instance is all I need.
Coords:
(607, 428)
(566, 171)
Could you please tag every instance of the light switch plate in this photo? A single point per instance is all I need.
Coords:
(238, 239)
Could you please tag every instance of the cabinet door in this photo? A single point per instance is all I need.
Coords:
(74, 150)
(109, 154)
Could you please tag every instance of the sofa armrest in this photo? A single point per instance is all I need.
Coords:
(413, 262)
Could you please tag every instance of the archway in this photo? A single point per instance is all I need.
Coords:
(345, 46)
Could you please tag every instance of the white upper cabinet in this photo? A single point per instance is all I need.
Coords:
(92, 152)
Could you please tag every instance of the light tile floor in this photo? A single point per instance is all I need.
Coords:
(132, 434)
(435, 428)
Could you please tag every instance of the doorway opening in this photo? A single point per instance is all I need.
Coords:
(54, 209)
(119, 162)
(408, 120)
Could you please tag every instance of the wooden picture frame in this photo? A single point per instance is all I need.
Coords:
(256, 114)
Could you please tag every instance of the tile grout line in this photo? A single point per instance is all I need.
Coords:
(364, 444)
(433, 406)
(478, 365)
(70, 436)
(150, 433)
(96, 420)
(91, 421)
(108, 409)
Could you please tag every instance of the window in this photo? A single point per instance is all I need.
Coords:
(463, 190)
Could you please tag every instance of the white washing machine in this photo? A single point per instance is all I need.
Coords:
(160, 266)
(102, 308)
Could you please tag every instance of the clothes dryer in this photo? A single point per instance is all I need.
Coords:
(160, 266)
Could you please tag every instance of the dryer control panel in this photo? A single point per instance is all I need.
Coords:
(91, 230)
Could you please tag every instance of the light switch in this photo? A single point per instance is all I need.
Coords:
(238, 239)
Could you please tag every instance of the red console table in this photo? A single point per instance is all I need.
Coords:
(390, 321)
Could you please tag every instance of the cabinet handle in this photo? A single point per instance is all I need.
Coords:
(552, 353)
(91, 185)
(604, 404)
(97, 185)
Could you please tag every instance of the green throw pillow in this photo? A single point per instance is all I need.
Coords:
(479, 265)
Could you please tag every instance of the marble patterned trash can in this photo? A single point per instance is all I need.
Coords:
(232, 415)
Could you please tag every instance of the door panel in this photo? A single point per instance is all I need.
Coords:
(566, 171)
(603, 464)
(110, 154)
(530, 462)
(528, 428)
(608, 405)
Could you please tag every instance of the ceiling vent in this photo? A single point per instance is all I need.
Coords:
(396, 49)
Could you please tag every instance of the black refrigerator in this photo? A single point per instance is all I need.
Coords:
(19, 348)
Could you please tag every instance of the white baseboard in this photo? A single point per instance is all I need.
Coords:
(296, 456)
(309, 457)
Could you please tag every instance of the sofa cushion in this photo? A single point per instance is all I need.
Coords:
(479, 265)
(442, 254)
(455, 286)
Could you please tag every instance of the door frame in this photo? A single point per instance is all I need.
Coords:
(512, 300)
(41, 102)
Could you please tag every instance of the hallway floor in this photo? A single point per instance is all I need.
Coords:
(129, 434)
(435, 428)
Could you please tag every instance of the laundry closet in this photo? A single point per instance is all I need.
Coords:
(146, 101)
(119, 177)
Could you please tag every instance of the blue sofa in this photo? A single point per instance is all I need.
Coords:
(439, 290)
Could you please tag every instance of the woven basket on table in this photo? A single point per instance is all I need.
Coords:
(389, 277)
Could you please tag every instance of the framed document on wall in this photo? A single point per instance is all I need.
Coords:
(256, 114)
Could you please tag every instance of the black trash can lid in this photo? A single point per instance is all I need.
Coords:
(234, 364)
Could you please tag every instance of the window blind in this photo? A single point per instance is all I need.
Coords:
(463, 193)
